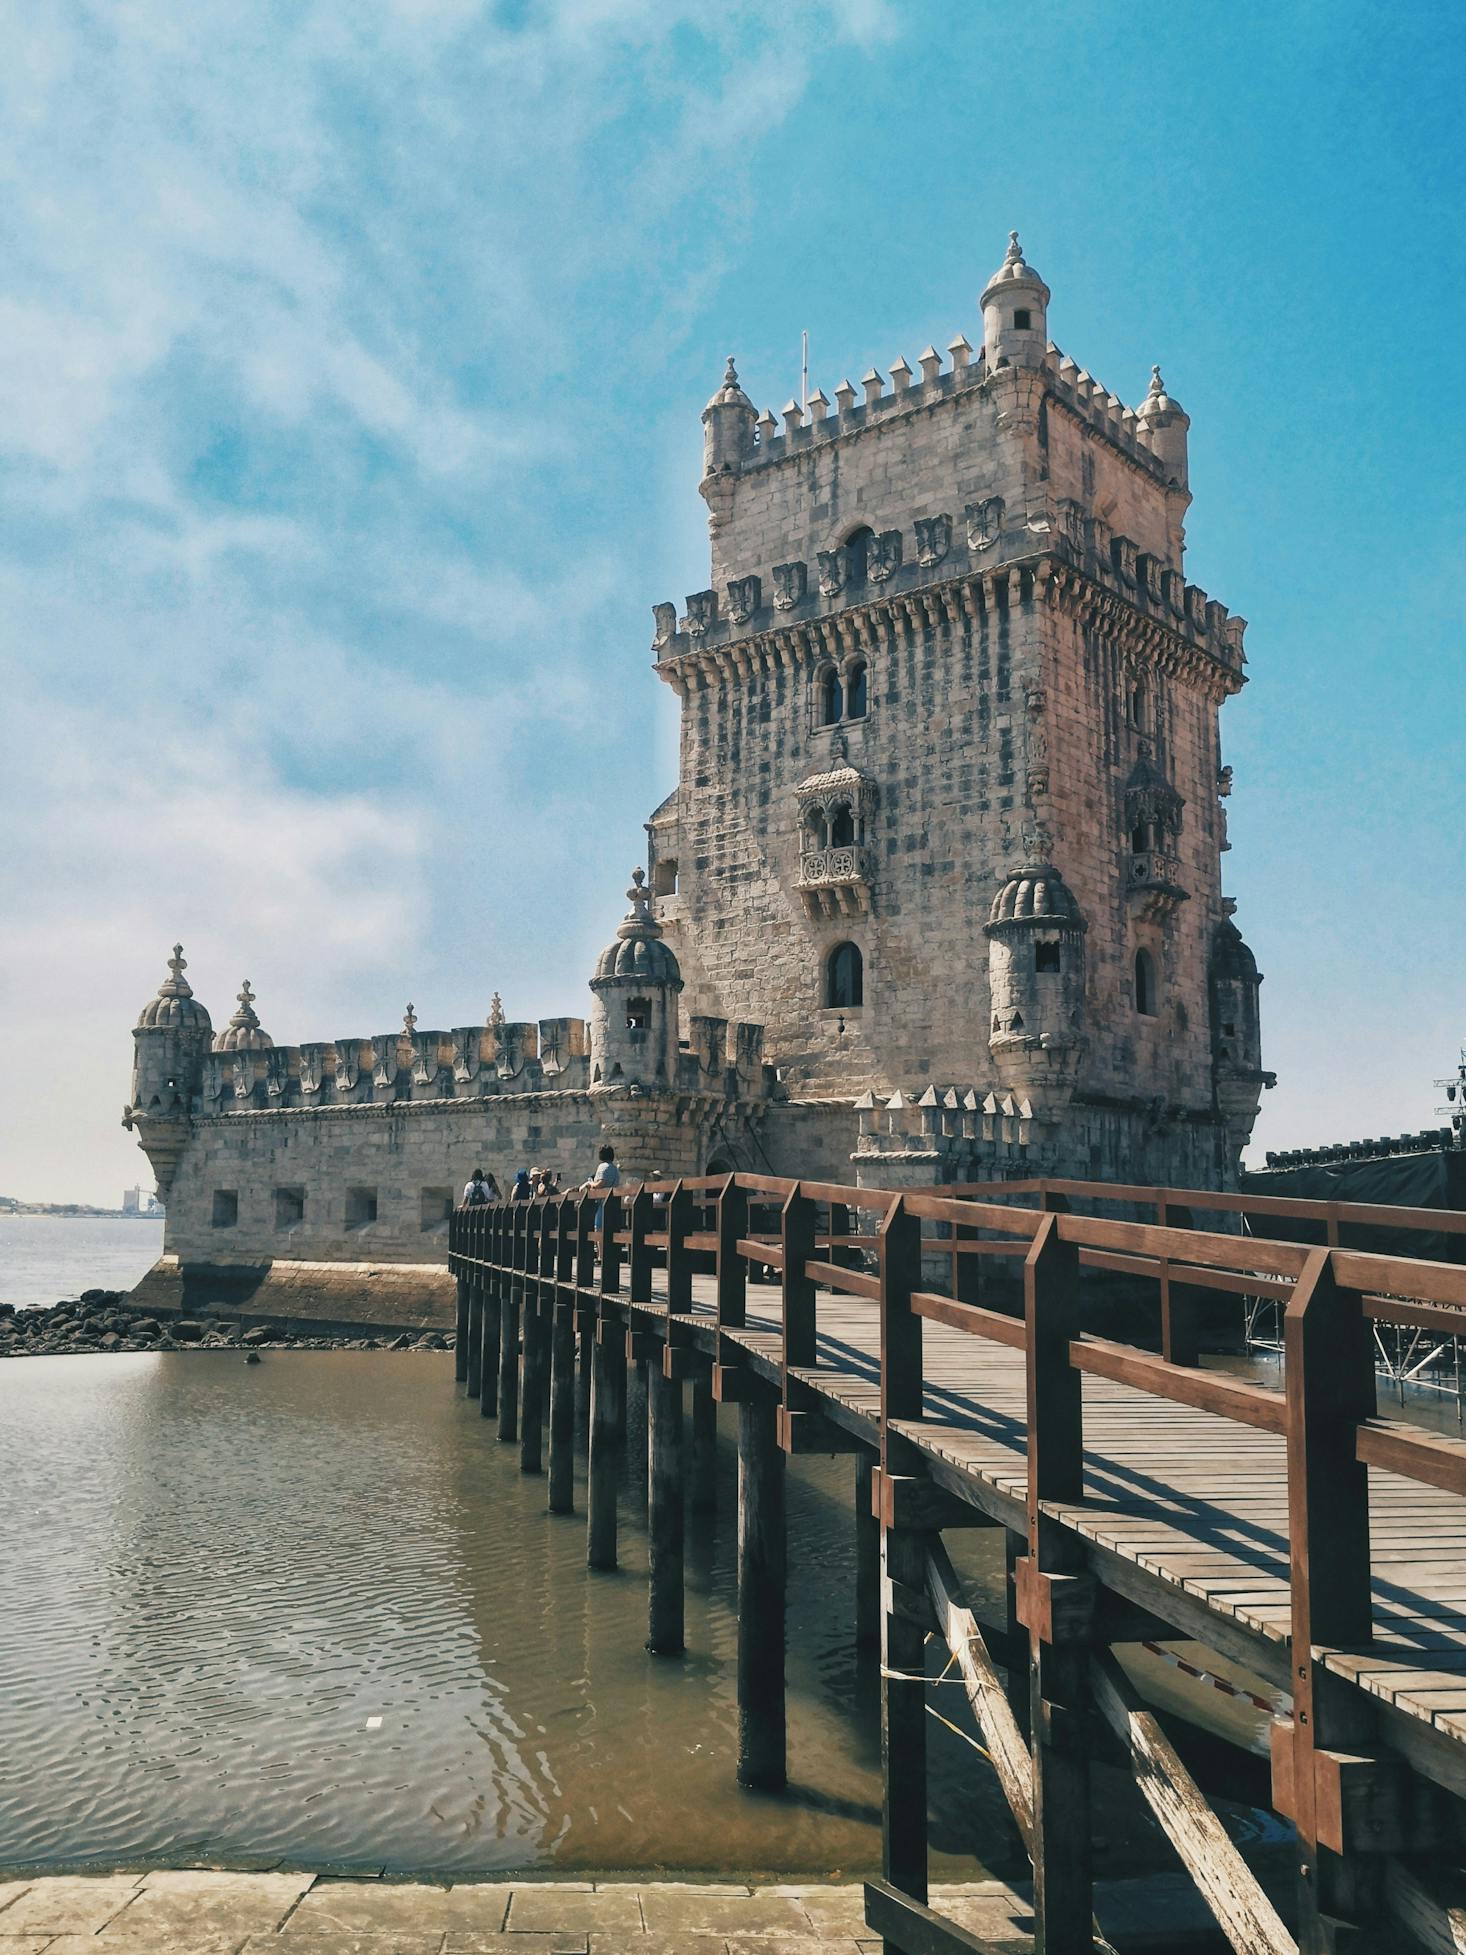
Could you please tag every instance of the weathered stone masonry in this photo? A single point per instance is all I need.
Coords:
(939, 887)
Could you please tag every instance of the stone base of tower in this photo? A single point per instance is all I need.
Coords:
(334, 1299)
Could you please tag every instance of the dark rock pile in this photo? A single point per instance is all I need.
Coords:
(103, 1320)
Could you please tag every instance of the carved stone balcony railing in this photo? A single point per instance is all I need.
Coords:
(836, 881)
(1154, 883)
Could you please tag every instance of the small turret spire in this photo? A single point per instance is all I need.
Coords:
(244, 1032)
(1157, 385)
(409, 1021)
(1014, 253)
(639, 921)
(496, 1013)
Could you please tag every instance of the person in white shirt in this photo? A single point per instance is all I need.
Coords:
(480, 1188)
(606, 1177)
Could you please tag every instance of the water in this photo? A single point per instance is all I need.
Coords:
(44, 1258)
(311, 1609)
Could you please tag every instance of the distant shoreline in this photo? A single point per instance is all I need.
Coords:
(76, 1212)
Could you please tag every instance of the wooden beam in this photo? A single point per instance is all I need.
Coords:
(974, 1317)
(762, 1557)
(562, 1407)
(664, 1513)
(460, 1331)
(915, 1929)
(986, 1692)
(1430, 1903)
(607, 1445)
(1243, 1911)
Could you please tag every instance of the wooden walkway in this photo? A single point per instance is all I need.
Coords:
(1142, 1495)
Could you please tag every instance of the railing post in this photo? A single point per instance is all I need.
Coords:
(585, 1312)
(679, 1262)
(540, 1246)
(511, 1302)
(1055, 1599)
(456, 1251)
(639, 1262)
(607, 1399)
(796, 1234)
(1329, 1379)
(562, 1363)
(489, 1308)
(840, 1225)
(1180, 1302)
(732, 1278)
(903, 1568)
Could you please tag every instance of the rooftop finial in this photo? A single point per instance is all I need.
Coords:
(176, 985)
(178, 963)
(496, 1013)
(409, 1021)
(730, 378)
(246, 998)
(1014, 254)
(1157, 385)
(640, 896)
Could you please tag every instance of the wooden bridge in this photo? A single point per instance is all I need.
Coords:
(1142, 1495)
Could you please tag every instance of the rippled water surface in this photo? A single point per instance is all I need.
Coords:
(311, 1608)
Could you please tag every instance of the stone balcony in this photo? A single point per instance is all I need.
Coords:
(1153, 883)
(837, 881)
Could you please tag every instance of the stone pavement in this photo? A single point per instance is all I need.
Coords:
(205, 1913)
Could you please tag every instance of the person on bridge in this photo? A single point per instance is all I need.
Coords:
(523, 1189)
(481, 1188)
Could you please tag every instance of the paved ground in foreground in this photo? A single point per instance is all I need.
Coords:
(205, 1913)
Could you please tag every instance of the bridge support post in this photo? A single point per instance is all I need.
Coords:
(509, 1358)
(490, 1313)
(562, 1365)
(536, 1363)
(704, 1469)
(460, 1332)
(473, 1344)
(607, 1438)
(665, 1628)
(867, 1560)
(762, 1558)
(1055, 1602)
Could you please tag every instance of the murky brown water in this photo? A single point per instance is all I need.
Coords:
(311, 1608)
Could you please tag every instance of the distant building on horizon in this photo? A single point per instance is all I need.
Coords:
(937, 897)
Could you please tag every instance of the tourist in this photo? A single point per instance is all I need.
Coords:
(480, 1188)
(550, 1184)
(522, 1191)
(606, 1177)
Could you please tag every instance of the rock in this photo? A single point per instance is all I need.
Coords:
(401, 1343)
(108, 1341)
(187, 1331)
(146, 1327)
(256, 1334)
(430, 1340)
(251, 1357)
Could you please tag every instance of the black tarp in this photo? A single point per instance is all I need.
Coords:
(1433, 1180)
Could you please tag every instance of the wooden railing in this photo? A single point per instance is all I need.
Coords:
(913, 1258)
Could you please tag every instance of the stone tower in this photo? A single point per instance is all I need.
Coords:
(170, 1042)
(634, 1027)
(947, 671)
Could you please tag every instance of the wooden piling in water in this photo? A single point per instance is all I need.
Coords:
(607, 1438)
(509, 1314)
(867, 1561)
(460, 1332)
(562, 1365)
(762, 1559)
(474, 1337)
(703, 1475)
(665, 1626)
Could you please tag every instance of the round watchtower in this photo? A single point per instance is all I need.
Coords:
(634, 1014)
(244, 1033)
(170, 1041)
(1015, 313)
(1161, 424)
(1036, 982)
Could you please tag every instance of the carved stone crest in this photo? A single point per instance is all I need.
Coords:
(702, 612)
(665, 616)
(883, 555)
(1123, 556)
(832, 572)
(984, 523)
(1071, 525)
(791, 581)
(744, 594)
(933, 538)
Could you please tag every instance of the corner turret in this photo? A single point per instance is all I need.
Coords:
(728, 423)
(244, 1033)
(1036, 980)
(170, 1041)
(1161, 424)
(634, 1019)
(1233, 980)
(1015, 317)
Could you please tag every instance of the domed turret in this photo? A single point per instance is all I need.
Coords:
(727, 441)
(1161, 424)
(1236, 1033)
(1036, 982)
(244, 1032)
(170, 1040)
(634, 1023)
(1015, 313)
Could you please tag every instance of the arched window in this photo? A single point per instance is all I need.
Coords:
(1140, 706)
(842, 827)
(638, 1014)
(832, 699)
(855, 691)
(1145, 988)
(857, 555)
(845, 978)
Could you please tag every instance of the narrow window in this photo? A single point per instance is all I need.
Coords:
(832, 699)
(638, 1014)
(842, 828)
(845, 978)
(226, 1207)
(1140, 706)
(1229, 1030)
(664, 877)
(1017, 1024)
(855, 691)
(857, 556)
(1022, 320)
(1145, 988)
(1139, 838)
(361, 1207)
(289, 1207)
(436, 1207)
(1046, 957)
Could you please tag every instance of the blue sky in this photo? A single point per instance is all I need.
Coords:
(350, 369)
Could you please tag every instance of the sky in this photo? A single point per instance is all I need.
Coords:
(351, 361)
